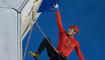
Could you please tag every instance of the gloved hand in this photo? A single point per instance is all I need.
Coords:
(56, 6)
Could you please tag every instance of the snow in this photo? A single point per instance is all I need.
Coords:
(8, 37)
(11, 3)
(10, 27)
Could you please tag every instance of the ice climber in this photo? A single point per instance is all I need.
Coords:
(67, 43)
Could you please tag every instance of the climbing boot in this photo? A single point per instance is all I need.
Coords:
(35, 55)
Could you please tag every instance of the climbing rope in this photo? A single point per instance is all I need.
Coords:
(29, 34)
(28, 41)
(27, 17)
(45, 36)
(41, 30)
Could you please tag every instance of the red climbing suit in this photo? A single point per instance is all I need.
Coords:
(66, 43)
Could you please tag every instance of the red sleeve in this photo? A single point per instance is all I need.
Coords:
(79, 53)
(59, 22)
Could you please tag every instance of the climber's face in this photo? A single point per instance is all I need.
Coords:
(71, 32)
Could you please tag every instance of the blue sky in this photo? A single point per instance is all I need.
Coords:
(88, 15)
